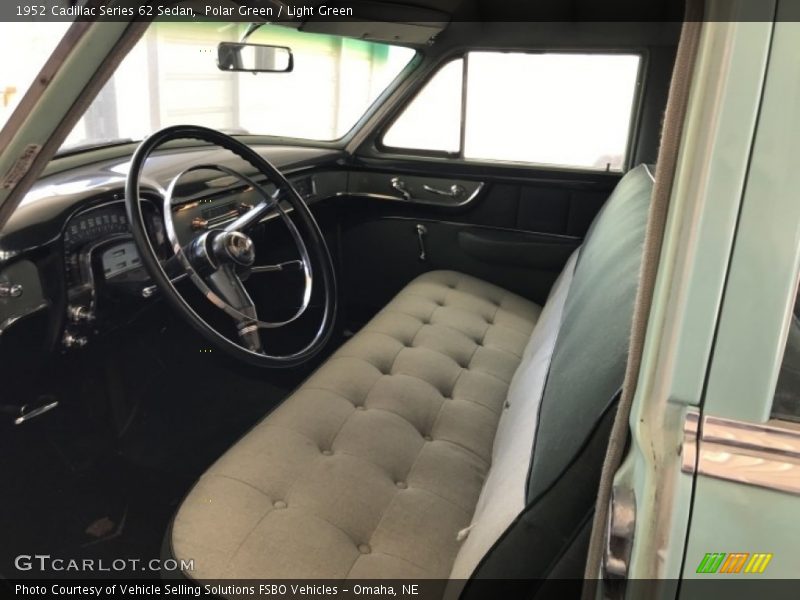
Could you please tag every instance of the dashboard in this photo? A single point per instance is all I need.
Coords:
(67, 252)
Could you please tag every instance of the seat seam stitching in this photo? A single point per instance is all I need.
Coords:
(445, 325)
(242, 481)
(347, 574)
(476, 403)
(475, 350)
(498, 307)
(442, 498)
(331, 523)
(300, 433)
(365, 459)
(399, 416)
(245, 538)
(485, 461)
(395, 557)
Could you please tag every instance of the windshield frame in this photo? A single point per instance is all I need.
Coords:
(74, 73)
(414, 62)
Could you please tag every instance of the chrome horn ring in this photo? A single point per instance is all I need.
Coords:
(197, 279)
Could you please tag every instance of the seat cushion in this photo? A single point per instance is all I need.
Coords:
(375, 464)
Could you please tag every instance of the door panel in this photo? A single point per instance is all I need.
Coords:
(512, 226)
(381, 255)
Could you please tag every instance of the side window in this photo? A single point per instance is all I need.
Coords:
(556, 109)
(432, 121)
(786, 404)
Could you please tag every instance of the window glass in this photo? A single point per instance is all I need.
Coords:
(555, 109)
(571, 110)
(171, 77)
(432, 121)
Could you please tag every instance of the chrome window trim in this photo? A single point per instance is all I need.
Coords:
(765, 455)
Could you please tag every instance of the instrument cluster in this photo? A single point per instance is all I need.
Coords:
(100, 256)
(104, 231)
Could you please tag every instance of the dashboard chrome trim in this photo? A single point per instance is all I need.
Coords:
(23, 315)
(765, 455)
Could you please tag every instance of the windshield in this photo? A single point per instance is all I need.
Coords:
(171, 77)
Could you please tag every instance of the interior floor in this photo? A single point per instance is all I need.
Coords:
(146, 411)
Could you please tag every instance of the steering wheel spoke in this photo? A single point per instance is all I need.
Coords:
(289, 265)
(252, 217)
(226, 282)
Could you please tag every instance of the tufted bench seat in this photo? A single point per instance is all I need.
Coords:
(459, 435)
(372, 467)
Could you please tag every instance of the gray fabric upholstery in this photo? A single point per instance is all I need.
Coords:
(503, 495)
(373, 466)
(589, 360)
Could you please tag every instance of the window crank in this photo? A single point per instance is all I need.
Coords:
(422, 231)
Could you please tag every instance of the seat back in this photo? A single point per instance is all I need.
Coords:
(548, 452)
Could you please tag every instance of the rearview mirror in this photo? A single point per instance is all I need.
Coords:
(254, 58)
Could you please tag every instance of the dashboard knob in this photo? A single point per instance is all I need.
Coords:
(74, 341)
(79, 314)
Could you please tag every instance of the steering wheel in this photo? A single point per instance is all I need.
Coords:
(218, 260)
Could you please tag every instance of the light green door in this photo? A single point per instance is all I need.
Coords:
(744, 520)
(710, 476)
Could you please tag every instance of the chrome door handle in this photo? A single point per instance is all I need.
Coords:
(26, 413)
(619, 535)
(455, 191)
(400, 186)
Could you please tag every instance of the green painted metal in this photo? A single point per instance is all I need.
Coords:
(762, 280)
(738, 518)
(708, 187)
(757, 306)
(61, 92)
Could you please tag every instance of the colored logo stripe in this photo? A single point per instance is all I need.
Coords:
(711, 562)
(722, 562)
(734, 562)
(758, 563)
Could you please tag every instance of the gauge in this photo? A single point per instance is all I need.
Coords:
(93, 225)
(120, 259)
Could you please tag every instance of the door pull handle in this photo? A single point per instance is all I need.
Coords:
(422, 231)
(456, 191)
